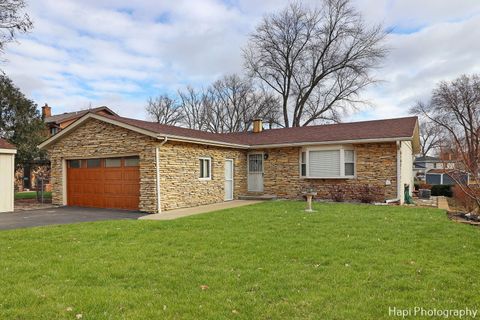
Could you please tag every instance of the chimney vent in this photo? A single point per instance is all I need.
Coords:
(46, 111)
(257, 125)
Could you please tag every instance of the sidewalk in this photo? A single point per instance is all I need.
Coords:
(185, 212)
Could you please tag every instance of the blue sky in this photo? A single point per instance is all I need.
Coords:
(120, 52)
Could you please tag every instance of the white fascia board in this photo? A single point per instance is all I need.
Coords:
(299, 144)
(8, 151)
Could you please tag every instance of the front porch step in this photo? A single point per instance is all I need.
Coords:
(258, 197)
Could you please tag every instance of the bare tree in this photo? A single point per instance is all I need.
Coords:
(431, 137)
(164, 110)
(12, 21)
(455, 107)
(228, 105)
(316, 60)
(192, 103)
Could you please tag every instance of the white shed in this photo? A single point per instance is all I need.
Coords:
(7, 172)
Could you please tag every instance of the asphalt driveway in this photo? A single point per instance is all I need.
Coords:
(62, 215)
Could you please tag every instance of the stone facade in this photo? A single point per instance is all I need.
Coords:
(180, 171)
(97, 139)
(179, 168)
(375, 165)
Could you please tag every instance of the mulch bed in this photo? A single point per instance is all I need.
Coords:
(463, 217)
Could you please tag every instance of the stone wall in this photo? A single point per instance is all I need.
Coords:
(99, 139)
(375, 164)
(180, 170)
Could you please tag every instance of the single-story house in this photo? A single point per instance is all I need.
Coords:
(7, 170)
(116, 162)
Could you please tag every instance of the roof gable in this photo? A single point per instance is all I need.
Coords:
(60, 118)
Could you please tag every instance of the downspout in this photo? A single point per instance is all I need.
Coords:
(399, 183)
(399, 186)
(157, 165)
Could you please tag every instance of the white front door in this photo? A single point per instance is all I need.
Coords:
(228, 179)
(255, 172)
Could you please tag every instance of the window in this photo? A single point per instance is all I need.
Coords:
(93, 163)
(205, 168)
(74, 163)
(349, 161)
(303, 164)
(53, 130)
(132, 162)
(326, 163)
(113, 163)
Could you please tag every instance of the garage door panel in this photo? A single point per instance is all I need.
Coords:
(116, 188)
(113, 175)
(113, 189)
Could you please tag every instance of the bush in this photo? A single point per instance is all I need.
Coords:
(463, 200)
(337, 193)
(369, 193)
(442, 190)
(424, 185)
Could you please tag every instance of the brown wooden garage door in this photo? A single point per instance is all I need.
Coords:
(104, 183)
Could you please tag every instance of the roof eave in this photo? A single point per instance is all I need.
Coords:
(8, 151)
(313, 143)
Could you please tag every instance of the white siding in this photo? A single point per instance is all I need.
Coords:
(406, 167)
(6, 181)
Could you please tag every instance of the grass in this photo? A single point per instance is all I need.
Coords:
(266, 261)
(30, 195)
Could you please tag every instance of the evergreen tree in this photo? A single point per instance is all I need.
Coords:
(20, 121)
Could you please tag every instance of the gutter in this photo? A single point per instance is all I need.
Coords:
(157, 166)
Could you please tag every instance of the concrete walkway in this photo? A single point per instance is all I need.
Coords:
(178, 213)
(442, 203)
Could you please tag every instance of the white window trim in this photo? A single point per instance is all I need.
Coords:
(209, 168)
(341, 148)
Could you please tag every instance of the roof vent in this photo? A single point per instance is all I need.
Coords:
(257, 125)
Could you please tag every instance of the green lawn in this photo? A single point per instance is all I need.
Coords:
(267, 261)
(31, 195)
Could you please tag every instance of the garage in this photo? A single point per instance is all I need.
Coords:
(112, 183)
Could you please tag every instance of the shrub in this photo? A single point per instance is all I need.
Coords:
(369, 193)
(463, 200)
(424, 185)
(442, 190)
(337, 193)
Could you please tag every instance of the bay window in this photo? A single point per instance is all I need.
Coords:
(327, 162)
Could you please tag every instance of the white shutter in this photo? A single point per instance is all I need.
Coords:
(325, 163)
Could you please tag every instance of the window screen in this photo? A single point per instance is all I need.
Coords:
(349, 162)
(205, 168)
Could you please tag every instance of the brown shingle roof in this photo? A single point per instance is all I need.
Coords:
(365, 130)
(59, 118)
(5, 145)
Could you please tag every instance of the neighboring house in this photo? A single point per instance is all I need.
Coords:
(423, 164)
(446, 177)
(114, 162)
(7, 169)
(28, 175)
(58, 122)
